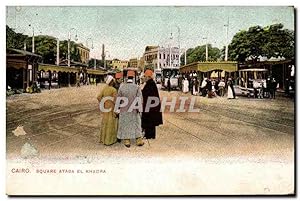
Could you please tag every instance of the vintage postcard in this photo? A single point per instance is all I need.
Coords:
(169, 100)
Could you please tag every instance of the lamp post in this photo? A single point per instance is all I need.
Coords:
(92, 48)
(69, 40)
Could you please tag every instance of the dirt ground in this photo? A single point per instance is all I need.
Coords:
(64, 124)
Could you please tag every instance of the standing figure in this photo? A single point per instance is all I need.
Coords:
(273, 87)
(216, 86)
(195, 87)
(130, 121)
(209, 89)
(153, 117)
(109, 124)
(118, 81)
(221, 86)
(230, 91)
(169, 84)
(203, 87)
(185, 86)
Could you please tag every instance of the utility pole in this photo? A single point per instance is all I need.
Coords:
(57, 52)
(206, 49)
(184, 56)
(178, 29)
(69, 57)
(170, 55)
(92, 48)
(32, 38)
(226, 47)
(69, 41)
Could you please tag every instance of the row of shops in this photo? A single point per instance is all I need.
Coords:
(24, 68)
(282, 71)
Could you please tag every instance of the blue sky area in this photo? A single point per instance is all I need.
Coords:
(126, 31)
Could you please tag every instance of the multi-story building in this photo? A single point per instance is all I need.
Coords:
(157, 57)
(84, 53)
(133, 63)
(141, 63)
(119, 64)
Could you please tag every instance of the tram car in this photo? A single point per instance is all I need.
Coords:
(251, 79)
(172, 74)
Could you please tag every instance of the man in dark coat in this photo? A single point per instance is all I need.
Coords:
(153, 117)
(273, 87)
(209, 88)
(169, 84)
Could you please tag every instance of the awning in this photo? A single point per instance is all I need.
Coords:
(228, 66)
(52, 68)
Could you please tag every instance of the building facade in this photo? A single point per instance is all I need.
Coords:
(133, 63)
(119, 64)
(141, 63)
(84, 53)
(157, 57)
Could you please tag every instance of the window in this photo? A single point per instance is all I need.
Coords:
(159, 56)
(164, 56)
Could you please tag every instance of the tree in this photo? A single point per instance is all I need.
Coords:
(280, 42)
(13, 39)
(199, 54)
(63, 51)
(270, 41)
(44, 46)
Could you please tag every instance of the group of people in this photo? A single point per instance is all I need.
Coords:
(266, 88)
(122, 125)
(208, 87)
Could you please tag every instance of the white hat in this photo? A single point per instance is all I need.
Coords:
(109, 79)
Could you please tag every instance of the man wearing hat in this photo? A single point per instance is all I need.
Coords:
(153, 117)
(118, 81)
(109, 124)
(130, 121)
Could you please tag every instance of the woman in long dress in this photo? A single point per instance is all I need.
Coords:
(185, 86)
(109, 124)
(230, 91)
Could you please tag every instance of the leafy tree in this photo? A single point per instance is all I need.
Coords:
(13, 39)
(45, 46)
(270, 41)
(199, 54)
(280, 42)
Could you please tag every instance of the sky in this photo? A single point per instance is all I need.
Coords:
(126, 31)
